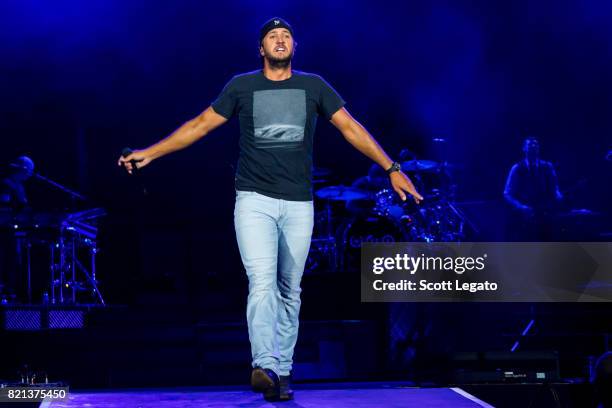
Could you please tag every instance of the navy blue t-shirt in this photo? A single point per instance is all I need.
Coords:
(277, 124)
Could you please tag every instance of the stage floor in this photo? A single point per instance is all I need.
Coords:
(333, 395)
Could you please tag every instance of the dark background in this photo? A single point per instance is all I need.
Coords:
(82, 80)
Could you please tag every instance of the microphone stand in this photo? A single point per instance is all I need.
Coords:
(60, 187)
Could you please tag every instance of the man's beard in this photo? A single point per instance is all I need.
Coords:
(279, 63)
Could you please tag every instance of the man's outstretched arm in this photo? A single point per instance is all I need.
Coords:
(190, 132)
(359, 137)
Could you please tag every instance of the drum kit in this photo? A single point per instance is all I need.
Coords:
(347, 216)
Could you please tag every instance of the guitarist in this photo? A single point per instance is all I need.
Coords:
(532, 192)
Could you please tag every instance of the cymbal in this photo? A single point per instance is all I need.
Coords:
(342, 193)
(419, 165)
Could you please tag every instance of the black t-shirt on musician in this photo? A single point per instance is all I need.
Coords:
(277, 124)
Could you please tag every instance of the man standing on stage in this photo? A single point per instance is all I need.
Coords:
(532, 190)
(277, 108)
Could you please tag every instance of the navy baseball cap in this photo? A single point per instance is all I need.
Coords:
(275, 22)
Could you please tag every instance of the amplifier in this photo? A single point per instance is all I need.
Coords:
(506, 367)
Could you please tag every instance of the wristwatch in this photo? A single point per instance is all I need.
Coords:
(394, 167)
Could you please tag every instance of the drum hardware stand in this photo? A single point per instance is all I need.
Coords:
(65, 261)
(328, 226)
(464, 220)
(21, 242)
(28, 257)
(327, 247)
(92, 277)
(328, 244)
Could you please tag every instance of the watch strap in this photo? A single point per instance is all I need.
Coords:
(395, 166)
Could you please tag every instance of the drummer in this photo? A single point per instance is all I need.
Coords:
(375, 181)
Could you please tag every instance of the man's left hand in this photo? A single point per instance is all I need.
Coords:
(401, 184)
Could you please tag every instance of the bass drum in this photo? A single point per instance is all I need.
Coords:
(366, 229)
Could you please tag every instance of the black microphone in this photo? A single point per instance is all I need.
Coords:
(125, 153)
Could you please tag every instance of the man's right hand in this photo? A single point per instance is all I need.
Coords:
(138, 157)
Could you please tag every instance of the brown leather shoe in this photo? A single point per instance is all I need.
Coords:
(265, 381)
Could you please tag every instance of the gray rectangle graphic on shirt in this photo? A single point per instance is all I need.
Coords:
(279, 118)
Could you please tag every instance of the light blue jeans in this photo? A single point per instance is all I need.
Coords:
(274, 239)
